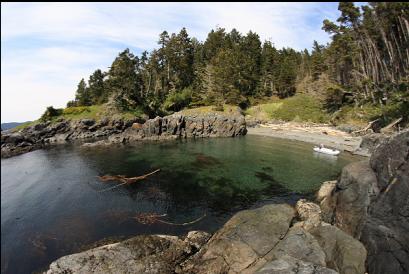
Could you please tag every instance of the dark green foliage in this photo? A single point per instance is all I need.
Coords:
(82, 96)
(334, 98)
(71, 103)
(317, 61)
(123, 83)
(96, 88)
(50, 113)
(366, 63)
(176, 101)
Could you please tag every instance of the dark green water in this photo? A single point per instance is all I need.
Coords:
(52, 204)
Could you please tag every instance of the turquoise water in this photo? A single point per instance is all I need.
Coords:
(53, 204)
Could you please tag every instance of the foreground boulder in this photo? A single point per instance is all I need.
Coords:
(291, 265)
(371, 204)
(385, 233)
(244, 240)
(343, 253)
(142, 254)
(262, 240)
(355, 189)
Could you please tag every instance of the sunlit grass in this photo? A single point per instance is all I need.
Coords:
(302, 108)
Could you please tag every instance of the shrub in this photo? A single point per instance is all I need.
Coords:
(50, 113)
(71, 103)
(333, 98)
(75, 110)
(175, 101)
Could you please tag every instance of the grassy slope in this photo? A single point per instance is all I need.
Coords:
(95, 112)
(301, 108)
(208, 109)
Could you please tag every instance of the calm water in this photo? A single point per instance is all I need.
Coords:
(52, 204)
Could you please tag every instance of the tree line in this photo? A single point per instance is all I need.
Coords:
(366, 61)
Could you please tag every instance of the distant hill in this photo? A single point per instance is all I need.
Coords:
(5, 126)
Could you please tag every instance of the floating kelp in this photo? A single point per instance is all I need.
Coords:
(123, 179)
(151, 218)
(148, 218)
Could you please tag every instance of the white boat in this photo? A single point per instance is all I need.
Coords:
(327, 150)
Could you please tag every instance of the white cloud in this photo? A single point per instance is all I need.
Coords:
(48, 47)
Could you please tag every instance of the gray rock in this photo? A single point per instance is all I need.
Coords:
(327, 200)
(301, 245)
(389, 156)
(309, 213)
(342, 252)
(371, 141)
(355, 189)
(141, 254)
(372, 205)
(385, 233)
(15, 138)
(243, 240)
(290, 265)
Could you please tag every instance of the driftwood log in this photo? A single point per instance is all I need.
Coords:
(123, 179)
(369, 126)
(391, 125)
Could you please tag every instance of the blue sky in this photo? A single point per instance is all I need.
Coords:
(46, 48)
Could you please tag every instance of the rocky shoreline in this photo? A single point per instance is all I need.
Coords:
(113, 130)
(357, 224)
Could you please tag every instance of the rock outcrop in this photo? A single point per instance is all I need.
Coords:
(243, 241)
(182, 126)
(122, 130)
(370, 202)
(262, 240)
(142, 254)
(355, 189)
(370, 141)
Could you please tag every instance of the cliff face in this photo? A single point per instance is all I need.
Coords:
(119, 130)
(370, 202)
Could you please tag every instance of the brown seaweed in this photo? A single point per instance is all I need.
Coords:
(123, 179)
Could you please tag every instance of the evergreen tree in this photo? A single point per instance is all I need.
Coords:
(122, 81)
(317, 61)
(82, 96)
(96, 88)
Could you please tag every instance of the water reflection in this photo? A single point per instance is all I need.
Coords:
(331, 159)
